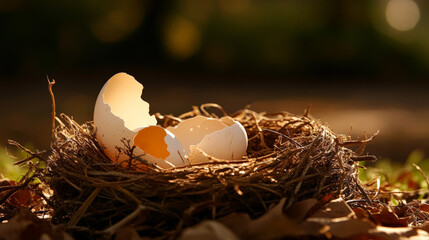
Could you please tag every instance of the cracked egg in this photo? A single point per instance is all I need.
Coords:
(204, 138)
(120, 115)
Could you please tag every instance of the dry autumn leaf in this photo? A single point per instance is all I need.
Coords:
(26, 225)
(389, 219)
(334, 220)
(210, 230)
(341, 222)
(127, 233)
(273, 224)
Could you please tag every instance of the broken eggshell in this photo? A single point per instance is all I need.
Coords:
(120, 114)
(159, 146)
(204, 137)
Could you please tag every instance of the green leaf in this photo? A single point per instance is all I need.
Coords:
(7, 169)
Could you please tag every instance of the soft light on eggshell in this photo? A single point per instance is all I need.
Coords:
(204, 137)
(120, 114)
(159, 146)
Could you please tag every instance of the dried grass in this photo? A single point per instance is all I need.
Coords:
(289, 156)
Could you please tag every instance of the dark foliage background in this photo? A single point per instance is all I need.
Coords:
(357, 62)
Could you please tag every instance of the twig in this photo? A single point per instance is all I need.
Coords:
(213, 105)
(114, 228)
(363, 193)
(307, 111)
(81, 211)
(12, 142)
(355, 142)
(53, 105)
(283, 135)
(13, 189)
(34, 155)
(261, 135)
(371, 158)
(423, 174)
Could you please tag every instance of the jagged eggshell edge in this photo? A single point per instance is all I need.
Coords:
(171, 148)
(119, 114)
(227, 139)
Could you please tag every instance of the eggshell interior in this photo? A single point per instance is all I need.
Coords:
(159, 146)
(121, 95)
(204, 137)
(191, 131)
(120, 114)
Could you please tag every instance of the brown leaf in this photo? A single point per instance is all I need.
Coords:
(271, 225)
(237, 222)
(408, 178)
(21, 197)
(360, 212)
(313, 228)
(335, 220)
(424, 207)
(399, 233)
(322, 202)
(389, 219)
(348, 227)
(127, 233)
(335, 209)
(327, 198)
(404, 176)
(25, 225)
(339, 221)
(299, 210)
(210, 230)
(425, 226)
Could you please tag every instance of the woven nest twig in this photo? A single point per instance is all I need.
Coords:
(289, 156)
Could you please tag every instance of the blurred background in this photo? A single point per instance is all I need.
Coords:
(361, 65)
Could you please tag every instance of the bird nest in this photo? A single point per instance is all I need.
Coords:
(288, 156)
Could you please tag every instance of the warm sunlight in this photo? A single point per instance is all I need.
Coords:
(402, 15)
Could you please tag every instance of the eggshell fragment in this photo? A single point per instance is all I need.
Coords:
(204, 137)
(120, 114)
(159, 146)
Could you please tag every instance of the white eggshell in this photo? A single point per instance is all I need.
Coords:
(204, 137)
(159, 146)
(120, 113)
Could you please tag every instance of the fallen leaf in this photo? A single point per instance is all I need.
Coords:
(340, 222)
(404, 176)
(273, 224)
(22, 197)
(425, 226)
(347, 227)
(424, 207)
(299, 210)
(399, 233)
(389, 219)
(360, 212)
(313, 228)
(335, 220)
(127, 233)
(335, 209)
(321, 203)
(208, 230)
(26, 225)
(327, 198)
(237, 222)
(407, 177)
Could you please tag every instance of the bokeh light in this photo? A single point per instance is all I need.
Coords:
(120, 19)
(181, 37)
(215, 50)
(402, 15)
